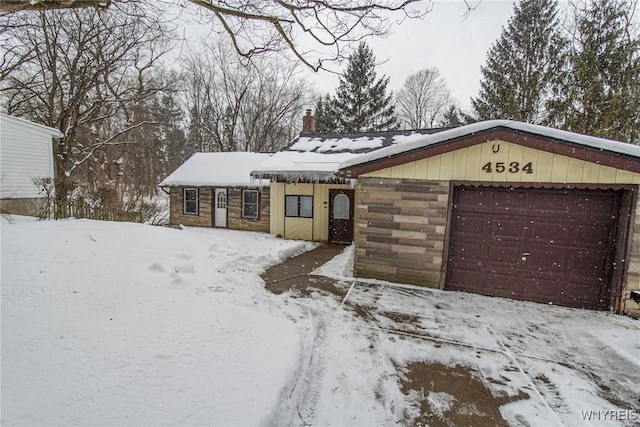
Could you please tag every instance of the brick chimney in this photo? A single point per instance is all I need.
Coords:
(308, 124)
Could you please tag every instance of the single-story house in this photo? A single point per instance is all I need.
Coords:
(217, 190)
(26, 156)
(503, 208)
(498, 208)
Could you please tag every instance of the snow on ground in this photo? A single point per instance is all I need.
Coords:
(127, 324)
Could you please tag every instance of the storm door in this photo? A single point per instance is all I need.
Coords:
(340, 216)
(220, 207)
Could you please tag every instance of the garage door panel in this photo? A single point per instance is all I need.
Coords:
(589, 262)
(545, 245)
(506, 228)
(597, 232)
(470, 224)
(504, 254)
(470, 250)
(543, 259)
(548, 232)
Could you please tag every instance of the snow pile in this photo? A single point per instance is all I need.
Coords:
(126, 324)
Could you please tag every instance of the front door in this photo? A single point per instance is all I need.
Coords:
(220, 209)
(340, 216)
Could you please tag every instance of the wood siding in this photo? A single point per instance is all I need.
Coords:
(316, 228)
(400, 230)
(467, 164)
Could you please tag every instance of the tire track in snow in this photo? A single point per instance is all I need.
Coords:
(298, 403)
(315, 371)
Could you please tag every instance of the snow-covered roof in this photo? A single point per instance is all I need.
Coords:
(222, 169)
(317, 157)
(308, 165)
(423, 141)
(360, 142)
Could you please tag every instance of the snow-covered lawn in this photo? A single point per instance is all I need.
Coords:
(127, 324)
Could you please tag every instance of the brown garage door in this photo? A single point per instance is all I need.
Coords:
(544, 245)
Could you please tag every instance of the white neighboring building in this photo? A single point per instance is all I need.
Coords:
(26, 153)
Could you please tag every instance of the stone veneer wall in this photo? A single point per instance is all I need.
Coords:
(176, 206)
(27, 206)
(632, 308)
(205, 213)
(234, 211)
(400, 230)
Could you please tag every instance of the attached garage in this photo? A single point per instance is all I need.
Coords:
(546, 245)
(506, 209)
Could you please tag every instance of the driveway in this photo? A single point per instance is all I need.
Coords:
(494, 361)
(464, 359)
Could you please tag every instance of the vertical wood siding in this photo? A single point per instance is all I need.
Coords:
(316, 228)
(467, 164)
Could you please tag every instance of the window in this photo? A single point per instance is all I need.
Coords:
(221, 199)
(191, 201)
(341, 207)
(300, 206)
(250, 204)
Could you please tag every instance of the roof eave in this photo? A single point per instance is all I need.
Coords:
(521, 137)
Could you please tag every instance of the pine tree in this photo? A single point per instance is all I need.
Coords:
(325, 116)
(452, 117)
(361, 102)
(522, 65)
(601, 96)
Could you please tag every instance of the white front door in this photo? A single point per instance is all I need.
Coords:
(220, 210)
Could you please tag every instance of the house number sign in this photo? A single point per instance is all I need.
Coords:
(509, 167)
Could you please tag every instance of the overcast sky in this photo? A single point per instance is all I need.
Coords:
(445, 39)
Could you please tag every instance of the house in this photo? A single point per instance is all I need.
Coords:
(499, 208)
(503, 208)
(26, 156)
(308, 200)
(216, 190)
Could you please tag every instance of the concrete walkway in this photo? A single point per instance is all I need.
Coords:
(294, 272)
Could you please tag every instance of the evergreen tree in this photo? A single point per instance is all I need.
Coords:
(452, 117)
(601, 96)
(361, 102)
(325, 116)
(522, 65)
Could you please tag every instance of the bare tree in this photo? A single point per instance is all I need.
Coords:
(315, 31)
(235, 106)
(83, 72)
(423, 99)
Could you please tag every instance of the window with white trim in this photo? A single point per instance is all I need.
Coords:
(299, 206)
(221, 199)
(190, 201)
(250, 204)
